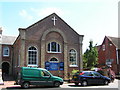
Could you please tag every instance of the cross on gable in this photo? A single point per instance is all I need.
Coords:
(54, 20)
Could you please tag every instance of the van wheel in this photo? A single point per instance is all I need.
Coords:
(25, 85)
(56, 84)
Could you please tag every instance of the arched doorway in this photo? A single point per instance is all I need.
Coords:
(5, 68)
(54, 64)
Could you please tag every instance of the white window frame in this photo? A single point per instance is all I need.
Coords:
(58, 50)
(4, 51)
(75, 58)
(33, 65)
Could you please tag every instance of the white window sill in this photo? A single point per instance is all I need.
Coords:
(53, 52)
(5, 55)
(32, 65)
(73, 65)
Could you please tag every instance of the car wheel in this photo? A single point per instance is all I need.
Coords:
(106, 82)
(25, 85)
(57, 84)
(84, 83)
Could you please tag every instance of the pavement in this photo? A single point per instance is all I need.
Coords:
(7, 84)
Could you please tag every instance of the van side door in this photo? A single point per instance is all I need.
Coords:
(45, 78)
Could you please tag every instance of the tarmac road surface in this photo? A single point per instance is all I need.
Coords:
(9, 85)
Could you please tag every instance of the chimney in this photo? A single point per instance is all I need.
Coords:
(0, 30)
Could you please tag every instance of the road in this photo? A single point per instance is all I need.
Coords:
(69, 86)
(111, 85)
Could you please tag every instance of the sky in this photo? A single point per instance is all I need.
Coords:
(94, 19)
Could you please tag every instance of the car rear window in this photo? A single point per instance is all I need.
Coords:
(84, 73)
(96, 74)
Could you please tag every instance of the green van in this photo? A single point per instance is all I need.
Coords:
(37, 76)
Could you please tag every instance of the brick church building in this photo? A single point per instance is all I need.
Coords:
(49, 43)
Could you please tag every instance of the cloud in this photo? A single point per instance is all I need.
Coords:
(47, 11)
(23, 13)
(33, 14)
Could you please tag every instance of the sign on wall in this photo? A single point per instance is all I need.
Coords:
(54, 66)
(47, 64)
(61, 66)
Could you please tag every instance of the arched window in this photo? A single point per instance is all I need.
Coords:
(6, 51)
(73, 57)
(32, 56)
(53, 60)
(53, 47)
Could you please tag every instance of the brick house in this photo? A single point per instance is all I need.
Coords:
(49, 43)
(109, 53)
(6, 53)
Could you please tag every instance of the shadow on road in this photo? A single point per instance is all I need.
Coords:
(85, 86)
(31, 87)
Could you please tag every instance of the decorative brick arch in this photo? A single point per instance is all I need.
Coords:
(65, 49)
(55, 30)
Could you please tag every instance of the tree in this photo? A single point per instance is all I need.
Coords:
(90, 57)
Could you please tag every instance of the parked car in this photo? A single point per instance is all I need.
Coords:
(37, 76)
(107, 72)
(90, 77)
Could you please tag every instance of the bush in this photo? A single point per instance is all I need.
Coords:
(74, 71)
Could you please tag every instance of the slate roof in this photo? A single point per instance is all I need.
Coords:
(115, 41)
(9, 40)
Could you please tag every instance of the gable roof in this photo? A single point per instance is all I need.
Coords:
(53, 14)
(115, 41)
(9, 40)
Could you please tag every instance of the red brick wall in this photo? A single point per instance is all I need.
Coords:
(16, 48)
(7, 58)
(34, 35)
(108, 53)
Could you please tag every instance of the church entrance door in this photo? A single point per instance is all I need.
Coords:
(5, 68)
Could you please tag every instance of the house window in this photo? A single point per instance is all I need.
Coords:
(73, 58)
(32, 56)
(103, 47)
(6, 51)
(109, 61)
(53, 47)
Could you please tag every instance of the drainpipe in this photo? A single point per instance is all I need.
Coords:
(117, 61)
(81, 44)
(117, 56)
(0, 47)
